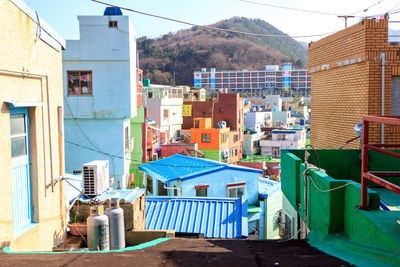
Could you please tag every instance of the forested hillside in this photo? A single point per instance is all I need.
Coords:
(174, 57)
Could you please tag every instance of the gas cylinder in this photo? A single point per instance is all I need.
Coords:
(98, 229)
(117, 230)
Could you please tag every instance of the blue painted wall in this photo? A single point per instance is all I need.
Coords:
(217, 182)
(107, 136)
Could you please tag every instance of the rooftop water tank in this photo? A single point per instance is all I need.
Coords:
(112, 11)
(146, 82)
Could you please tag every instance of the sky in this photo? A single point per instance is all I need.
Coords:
(62, 14)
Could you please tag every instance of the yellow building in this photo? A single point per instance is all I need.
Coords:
(31, 142)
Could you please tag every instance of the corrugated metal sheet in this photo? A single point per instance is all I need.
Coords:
(267, 187)
(184, 167)
(128, 195)
(213, 217)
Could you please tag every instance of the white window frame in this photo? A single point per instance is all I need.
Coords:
(236, 186)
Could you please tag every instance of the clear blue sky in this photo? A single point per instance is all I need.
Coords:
(62, 14)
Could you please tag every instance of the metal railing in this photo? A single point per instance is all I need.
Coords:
(375, 176)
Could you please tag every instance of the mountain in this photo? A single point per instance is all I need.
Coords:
(176, 56)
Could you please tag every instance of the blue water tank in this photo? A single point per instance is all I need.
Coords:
(112, 11)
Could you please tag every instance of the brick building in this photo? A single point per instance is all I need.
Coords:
(225, 107)
(346, 81)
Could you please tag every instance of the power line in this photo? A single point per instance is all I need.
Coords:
(291, 8)
(367, 8)
(210, 27)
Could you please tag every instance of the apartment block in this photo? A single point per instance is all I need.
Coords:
(272, 80)
(346, 76)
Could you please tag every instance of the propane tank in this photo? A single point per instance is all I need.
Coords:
(117, 230)
(98, 229)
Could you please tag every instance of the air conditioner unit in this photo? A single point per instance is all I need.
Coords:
(96, 177)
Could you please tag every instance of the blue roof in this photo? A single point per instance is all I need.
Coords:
(213, 217)
(128, 195)
(267, 187)
(185, 167)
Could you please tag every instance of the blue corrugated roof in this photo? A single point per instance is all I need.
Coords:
(213, 217)
(266, 187)
(129, 195)
(185, 167)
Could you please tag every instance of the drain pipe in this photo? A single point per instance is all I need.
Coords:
(173, 188)
(383, 96)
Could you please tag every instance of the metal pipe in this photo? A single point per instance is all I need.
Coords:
(383, 97)
(43, 132)
(49, 125)
(173, 188)
(24, 72)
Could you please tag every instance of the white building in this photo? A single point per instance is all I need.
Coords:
(164, 105)
(283, 139)
(100, 93)
(282, 118)
(255, 83)
(254, 120)
(251, 143)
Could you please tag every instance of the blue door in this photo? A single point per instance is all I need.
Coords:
(21, 180)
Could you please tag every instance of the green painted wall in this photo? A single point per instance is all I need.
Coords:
(137, 153)
(212, 154)
(272, 205)
(333, 217)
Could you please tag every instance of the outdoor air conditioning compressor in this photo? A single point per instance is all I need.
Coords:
(96, 177)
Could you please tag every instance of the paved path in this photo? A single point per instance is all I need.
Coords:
(190, 252)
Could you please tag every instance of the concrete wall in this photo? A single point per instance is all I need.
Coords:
(273, 204)
(110, 141)
(254, 120)
(98, 121)
(22, 51)
(137, 152)
(218, 182)
(173, 123)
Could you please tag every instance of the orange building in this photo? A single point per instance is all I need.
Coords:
(213, 142)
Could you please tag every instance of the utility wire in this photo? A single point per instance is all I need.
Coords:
(367, 8)
(210, 27)
(292, 8)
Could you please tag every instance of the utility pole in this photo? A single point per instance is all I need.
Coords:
(345, 19)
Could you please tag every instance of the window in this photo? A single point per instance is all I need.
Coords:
(224, 138)
(221, 110)
(204, 114)
(201, 190)
(162, 191)
(236, 138)
(205, 138)
(149, 185)
(139, 78)
(127, 143)
(236, 190)
(166, 114)
(395, 97)
(236, 152)
(196, 124)
(112, 24)
(79, 83)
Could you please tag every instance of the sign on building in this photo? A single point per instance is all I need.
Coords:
(187, 110)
